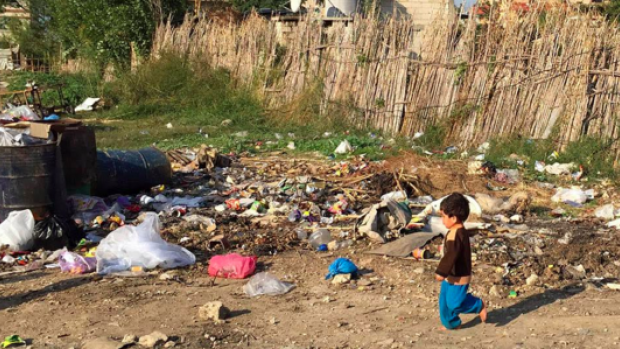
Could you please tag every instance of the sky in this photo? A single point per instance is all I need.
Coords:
(468, 3)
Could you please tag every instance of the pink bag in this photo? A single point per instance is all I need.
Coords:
(232, 266)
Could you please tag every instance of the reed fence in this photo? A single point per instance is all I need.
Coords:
(546, 72)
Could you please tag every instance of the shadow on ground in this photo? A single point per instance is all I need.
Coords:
(504, 316)
(63, 285)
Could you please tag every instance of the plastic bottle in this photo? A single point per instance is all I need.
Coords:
(320, 237)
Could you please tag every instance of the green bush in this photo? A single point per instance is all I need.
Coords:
(76, 87)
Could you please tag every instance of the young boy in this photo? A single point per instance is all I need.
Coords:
(454, 270)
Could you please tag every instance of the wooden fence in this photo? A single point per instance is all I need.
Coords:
(541, 73)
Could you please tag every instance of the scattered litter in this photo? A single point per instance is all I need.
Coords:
(266, 284)
(341, 266)
(17, 231)
(232, 266)
(141, 246)
(344, 148)
(88, 104)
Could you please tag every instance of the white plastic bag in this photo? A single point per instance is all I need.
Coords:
(560, 169)
(605, 212)
(570, 195)
(17, 231)
(395, 195)
(140, 246)
(265, 283)
(344, 148)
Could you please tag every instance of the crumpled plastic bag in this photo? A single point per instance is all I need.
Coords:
(50, 234)
(379, 219)
(17, 231)
(232, 266)
(560, 169)
(605, 212)
(341, 266)
(74, 263)
(265, 283)
(576, 196)
(142, 246)
(344, 148)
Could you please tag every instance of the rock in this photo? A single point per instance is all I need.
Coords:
(498, 291)
(215, 311)
(364, 282)
(386, 342)
(341, 279)
(130, 338)
(167, 276)
(152, 340)
(538, 251)
(517, 219)
(273, 321)
(532, 280)
(169, 344)
(103, 343)
(578, 272)
(226, 122)
(419, 270)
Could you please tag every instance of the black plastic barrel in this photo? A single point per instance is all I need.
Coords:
(128, 172)
(27, 178)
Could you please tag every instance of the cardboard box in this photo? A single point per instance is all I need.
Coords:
(42, 129)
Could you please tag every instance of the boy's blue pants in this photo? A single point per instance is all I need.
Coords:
(454, 300)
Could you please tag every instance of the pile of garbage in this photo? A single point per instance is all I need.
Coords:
(231, 210)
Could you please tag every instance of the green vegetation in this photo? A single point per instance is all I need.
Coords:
(100, 31)
(76, 86)
(590, 152)
(204, 106)
(247, 5)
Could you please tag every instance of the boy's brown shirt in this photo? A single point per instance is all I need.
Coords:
(455, 265)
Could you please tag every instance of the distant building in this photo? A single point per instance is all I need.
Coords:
(421, 12)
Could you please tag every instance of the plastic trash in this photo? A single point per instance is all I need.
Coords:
(341, 266)
(17, 231)
(344, 148)
(474, 207)
(614, 224)
(398, 195)
(510, 176)
(560, 169)
(87, 105)
(605, 212)
(52, 233)
(265, 283)
(76, 264)
(201, 221)
(141, 246)
(577, 196)
(539, 166)
(232, 266)
(320, 237)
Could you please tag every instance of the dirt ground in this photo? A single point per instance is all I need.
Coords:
(392, 305)
(398, 310)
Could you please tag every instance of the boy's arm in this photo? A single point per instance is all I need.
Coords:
(449, 257)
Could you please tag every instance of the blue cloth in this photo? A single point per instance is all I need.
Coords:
(341, 266)
(52, 117)
(454, 300)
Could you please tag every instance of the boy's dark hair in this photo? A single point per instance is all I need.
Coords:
(455, 205)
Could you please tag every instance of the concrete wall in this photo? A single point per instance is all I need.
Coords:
(421, 12)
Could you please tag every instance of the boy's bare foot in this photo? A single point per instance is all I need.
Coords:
(443, 329)
(483, 313)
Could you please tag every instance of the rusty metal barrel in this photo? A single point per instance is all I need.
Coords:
(27, 178)
(130, 171)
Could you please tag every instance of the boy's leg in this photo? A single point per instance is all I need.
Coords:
(448, 302)
(470, 305)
